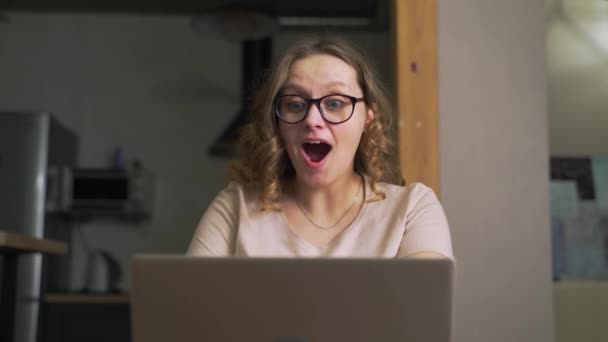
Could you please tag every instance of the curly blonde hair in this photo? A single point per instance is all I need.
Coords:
(264, 162)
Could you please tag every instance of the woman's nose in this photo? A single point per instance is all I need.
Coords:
(314, 117)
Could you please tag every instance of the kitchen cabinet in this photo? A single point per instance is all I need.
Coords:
(91, 318)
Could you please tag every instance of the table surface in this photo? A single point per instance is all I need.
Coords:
(18, 243)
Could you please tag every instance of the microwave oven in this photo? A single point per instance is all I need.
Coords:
(100, 192)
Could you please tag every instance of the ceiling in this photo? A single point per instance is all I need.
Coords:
(325, 8)
(368, 15)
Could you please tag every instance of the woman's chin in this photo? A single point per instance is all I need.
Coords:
(313, 179)
(317, 177)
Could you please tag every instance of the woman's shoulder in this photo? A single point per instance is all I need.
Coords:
(415, 190)
(231, 191)
(234, 187)
(407, 198)
(237, 190)
(238, 194)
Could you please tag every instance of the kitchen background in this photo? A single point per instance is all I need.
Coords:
(151, 86)
(163, 93)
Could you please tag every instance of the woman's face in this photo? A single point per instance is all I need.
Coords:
(321, 152)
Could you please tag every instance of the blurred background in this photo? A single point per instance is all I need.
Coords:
(159, 85)
(157, 88)
(577, 74)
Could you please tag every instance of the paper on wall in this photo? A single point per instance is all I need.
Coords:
(600, 179)
(564, 199)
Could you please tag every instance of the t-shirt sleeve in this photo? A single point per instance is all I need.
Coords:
(426, 226)
(216, 231)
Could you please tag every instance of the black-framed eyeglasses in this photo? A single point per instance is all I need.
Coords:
(334, 108)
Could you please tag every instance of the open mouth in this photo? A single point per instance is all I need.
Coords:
(316, 150)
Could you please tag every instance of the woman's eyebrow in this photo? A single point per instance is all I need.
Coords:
(292, 86)
(338, 83)
(328, 85)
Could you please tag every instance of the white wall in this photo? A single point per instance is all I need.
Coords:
(147, 84)
(577, 64)
(494, 167)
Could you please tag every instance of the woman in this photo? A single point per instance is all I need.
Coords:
(315, 174)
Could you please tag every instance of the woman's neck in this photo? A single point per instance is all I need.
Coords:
(328, 202)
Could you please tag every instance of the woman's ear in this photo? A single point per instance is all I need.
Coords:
(370, 117)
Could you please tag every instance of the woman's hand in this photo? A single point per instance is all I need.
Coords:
(426, 255)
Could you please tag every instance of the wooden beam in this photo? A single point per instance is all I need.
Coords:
(414, 34)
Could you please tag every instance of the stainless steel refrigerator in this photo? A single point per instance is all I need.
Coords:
(32, 144)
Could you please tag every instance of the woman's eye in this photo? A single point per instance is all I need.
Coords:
(334, 104)
(295, 106)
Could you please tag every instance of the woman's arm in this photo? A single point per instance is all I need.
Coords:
(427, 234)
(216, 231)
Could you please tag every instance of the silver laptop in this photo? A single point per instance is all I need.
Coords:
(187, 299)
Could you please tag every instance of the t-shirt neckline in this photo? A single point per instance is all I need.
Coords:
(303, 242)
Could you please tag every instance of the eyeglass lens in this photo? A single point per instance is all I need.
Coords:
(334, 108)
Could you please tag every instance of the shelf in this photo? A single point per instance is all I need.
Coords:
(18, 243)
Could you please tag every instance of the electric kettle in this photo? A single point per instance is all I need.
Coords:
(103, 273)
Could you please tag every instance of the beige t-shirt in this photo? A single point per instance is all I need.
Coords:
(409, 220)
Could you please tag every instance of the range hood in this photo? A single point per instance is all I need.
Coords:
(256, 56)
